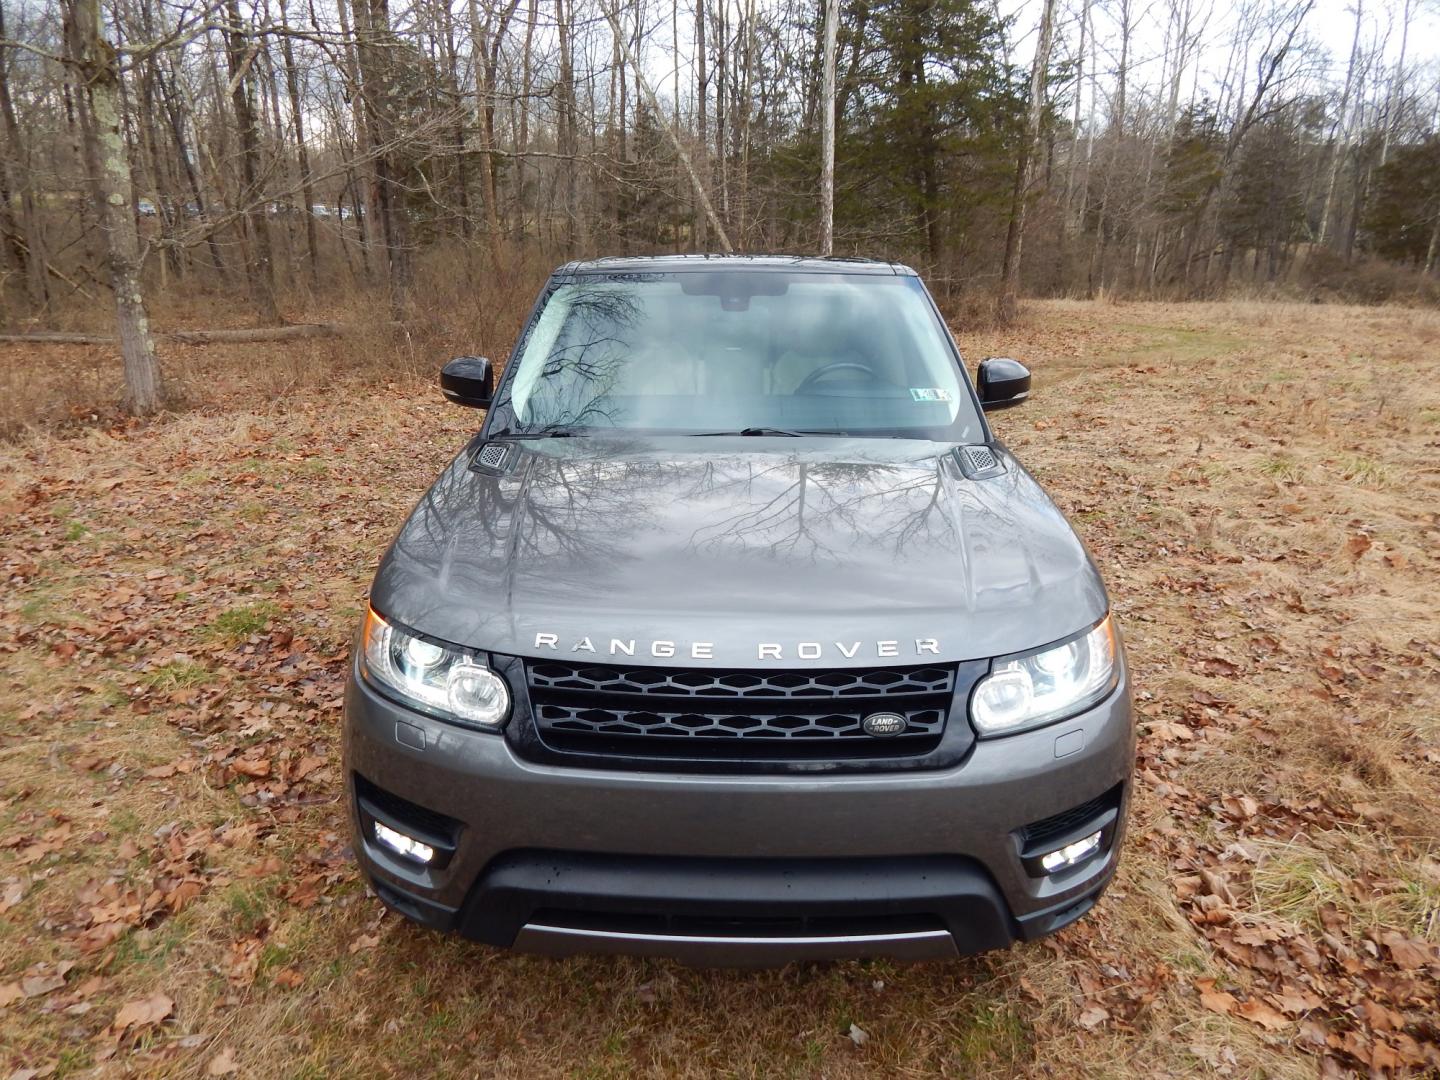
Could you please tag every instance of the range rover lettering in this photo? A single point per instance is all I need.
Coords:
(736, 635)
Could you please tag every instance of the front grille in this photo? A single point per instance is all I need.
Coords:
(700, 726)
(730, 715)
(645, 681)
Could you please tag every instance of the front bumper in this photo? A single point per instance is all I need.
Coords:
(734, 869)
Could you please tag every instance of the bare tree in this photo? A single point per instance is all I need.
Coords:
(827, 131)
(259, 267)
(20, 235)
(333, 146)
(102, 126)
(701, 194)
(1015, 233)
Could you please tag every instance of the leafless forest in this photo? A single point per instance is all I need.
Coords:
(290, 153)
(1222, 221)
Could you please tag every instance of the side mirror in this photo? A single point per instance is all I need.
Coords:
(1003, 383)
(468, 380)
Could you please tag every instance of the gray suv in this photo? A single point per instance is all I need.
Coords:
(735, 635)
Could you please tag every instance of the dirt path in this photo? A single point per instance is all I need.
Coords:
(1259, 486)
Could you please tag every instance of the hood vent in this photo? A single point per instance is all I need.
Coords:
(979, 462)
(492, 458)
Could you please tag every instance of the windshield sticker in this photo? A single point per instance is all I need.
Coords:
(929, 393)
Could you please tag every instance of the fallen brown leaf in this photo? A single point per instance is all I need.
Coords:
(12, 895)
(1407, 953)
(36, 985)
(1257, 1012)
(1218, 1001)
(256, 770)
(1294, 1002)
(244, 961)
(141, 1014)
(223, 1063)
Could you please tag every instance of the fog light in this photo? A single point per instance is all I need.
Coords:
(1071, 854)
(411, 848)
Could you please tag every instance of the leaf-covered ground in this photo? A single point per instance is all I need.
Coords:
(1258, 483)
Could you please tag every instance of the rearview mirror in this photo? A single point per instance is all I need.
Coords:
(1003, 383)
(468, 380)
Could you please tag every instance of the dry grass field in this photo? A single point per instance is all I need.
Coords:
(1259, 485)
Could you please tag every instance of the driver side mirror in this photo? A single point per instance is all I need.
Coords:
(468, 380)
(1003, 383)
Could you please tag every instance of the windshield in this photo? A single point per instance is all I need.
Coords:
(736, 351)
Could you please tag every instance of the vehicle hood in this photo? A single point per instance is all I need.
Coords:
(842, 552)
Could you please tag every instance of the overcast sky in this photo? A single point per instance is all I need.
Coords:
(1331, 24)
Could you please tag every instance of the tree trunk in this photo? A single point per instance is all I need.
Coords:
(259, 271)
(462, 137)
(746, 105)
(1340, 129)
(522, 144)
(109, 166)
(1015, 234)
(701, 91)
(365, 197)
(827, 132)
(375, 63)
(23, 237)
(1075, 119)
(722, 112)
(486, 41)
(176, 124)
(297, 120)
(1434, 248)
(566, 134)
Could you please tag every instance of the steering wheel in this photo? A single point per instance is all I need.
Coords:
(827, 369)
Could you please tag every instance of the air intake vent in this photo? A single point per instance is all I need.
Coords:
(492, 457)
(978, 462)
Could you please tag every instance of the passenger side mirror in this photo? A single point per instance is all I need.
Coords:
(468, 380)
(1003, 383)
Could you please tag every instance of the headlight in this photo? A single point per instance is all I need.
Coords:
(437, 678)
(1027, 691)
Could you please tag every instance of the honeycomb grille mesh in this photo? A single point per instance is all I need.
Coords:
(553, 675)
(728, 726)
(718, 714)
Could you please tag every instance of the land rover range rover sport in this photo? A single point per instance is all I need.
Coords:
(735, 634)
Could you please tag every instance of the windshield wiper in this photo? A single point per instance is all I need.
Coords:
(557, 433)
(759, 431)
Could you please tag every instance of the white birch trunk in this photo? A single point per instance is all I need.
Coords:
(110, 165)
(827, 135)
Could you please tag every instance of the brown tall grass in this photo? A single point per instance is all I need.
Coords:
(460, 305)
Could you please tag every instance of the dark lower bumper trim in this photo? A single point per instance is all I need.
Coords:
(714, 910)
(515, 904)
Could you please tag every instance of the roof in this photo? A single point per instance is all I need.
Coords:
(806, 264)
